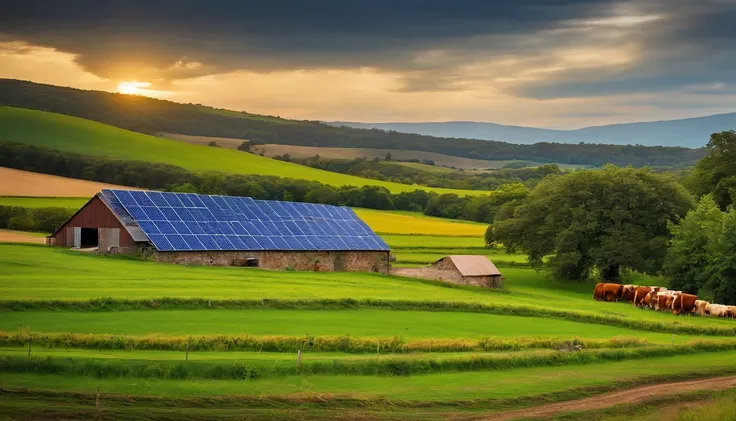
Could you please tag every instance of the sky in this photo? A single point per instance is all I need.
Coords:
(543, 63)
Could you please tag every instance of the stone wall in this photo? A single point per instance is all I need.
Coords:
(321, 261)
(484, 281)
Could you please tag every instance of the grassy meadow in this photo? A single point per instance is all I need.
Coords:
(78, 135)
(375, 346)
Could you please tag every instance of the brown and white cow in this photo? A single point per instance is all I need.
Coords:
(665, 299)
(651, 298)
(683, 303)
(732, 312)
(628, 292)
(701, 307)
(640, 294)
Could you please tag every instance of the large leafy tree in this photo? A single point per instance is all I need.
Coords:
(716, 172)
(607, 221)
(690, 263)
(701, 258)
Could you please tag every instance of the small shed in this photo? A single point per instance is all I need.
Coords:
(470, 270)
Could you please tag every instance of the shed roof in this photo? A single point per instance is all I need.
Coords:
(474, 265)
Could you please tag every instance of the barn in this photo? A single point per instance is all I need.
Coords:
(201, 229)
(469, 270)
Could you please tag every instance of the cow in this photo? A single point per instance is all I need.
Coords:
(732, 311)
(628, 292)
(701, 307)
(717, 310)
(664, 299)
(612, 292)
(651, 298)
(640, 294)
(683, 303)
(607, 292)
(598, 292)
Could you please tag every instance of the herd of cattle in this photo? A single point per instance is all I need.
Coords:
(661, 299)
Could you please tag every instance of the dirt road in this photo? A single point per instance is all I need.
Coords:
(628, 396)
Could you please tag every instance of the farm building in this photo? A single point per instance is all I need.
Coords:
(469, 270)
(225, 231)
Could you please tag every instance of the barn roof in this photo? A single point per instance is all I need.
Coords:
(197, 222)
(474, 265)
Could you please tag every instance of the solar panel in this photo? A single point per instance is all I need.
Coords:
(187, 222)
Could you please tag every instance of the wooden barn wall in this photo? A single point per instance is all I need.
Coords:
(93, 215)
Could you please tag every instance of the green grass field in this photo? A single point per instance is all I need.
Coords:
(428, 388)
(88, 137)
(411, 325)
(475, 367)
(44, 202)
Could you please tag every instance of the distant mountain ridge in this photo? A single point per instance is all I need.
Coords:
(688, 132)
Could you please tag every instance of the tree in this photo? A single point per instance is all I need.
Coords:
(245, 146)
(605, 221)
(388, 156)
(723, 284)
(213, 144)
(716, 172)
(690, 259)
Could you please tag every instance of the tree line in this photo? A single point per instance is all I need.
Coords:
(610, 222)
(148, 115)
(172, 178)
(387, 170)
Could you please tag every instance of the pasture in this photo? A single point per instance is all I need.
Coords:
(78, 135)
(401, 344)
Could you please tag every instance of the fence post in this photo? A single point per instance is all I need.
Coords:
(299, 358)
(187, 357)
(30, 341)
(97, 397)
(673, 339)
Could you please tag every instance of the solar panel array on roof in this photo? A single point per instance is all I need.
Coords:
(196, 222)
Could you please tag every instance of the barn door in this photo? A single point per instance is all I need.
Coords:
(77, 237)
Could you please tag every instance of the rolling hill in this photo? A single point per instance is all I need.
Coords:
(148, 115)
(689, 132)
(78, 135)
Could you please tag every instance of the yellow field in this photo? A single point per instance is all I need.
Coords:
(398, 222)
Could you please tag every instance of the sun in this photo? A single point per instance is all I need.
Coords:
(133, 87)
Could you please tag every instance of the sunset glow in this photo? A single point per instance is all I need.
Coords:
(133, 87)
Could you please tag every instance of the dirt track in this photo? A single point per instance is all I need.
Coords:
(606, 400)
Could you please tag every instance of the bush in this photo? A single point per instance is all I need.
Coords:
(40, 219)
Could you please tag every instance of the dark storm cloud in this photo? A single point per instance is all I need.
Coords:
(268, 35)
(163, 40)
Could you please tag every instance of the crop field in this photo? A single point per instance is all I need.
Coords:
(383, 346)
(400, 222)
(26, 183)
(88, 137)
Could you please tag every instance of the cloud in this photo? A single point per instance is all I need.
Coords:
(535, 62)
(160, 41)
